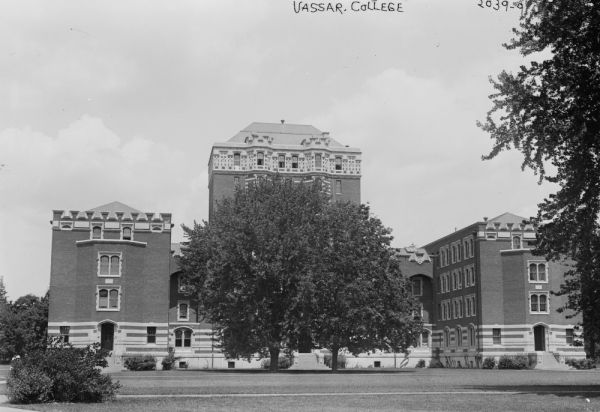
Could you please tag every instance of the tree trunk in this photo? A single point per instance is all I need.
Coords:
(334, 358)
(274, 352)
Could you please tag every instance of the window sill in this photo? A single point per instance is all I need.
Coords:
(107, 310)
(110, 241)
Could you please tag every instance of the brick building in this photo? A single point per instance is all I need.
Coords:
(492, 297)
(299, 152)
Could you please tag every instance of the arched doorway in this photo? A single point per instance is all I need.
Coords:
(539, 337)
(107, 335)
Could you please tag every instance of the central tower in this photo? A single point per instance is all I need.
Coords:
(299, 152)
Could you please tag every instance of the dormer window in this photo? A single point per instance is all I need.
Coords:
(236, 159)
(294, 162)
(338, 163)
(318, 161)
(260, 159)
(281, 161)
(97, 232)
(126, 233)
(516, 242)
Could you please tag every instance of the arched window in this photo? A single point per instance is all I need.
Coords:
(516, 242)
(543, 303)
(446, 337)
(260, 159)
(114, 265)
(126, 233)
(542, 272)
(97, 232)
(103, 298)
(183, 311)
(104, 264)
(534, 303)
(113, 299)
(338, 163)
(110, 264)
(183, 338)
(458, 336)
(472, 336)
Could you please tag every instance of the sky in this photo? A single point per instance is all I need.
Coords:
(105, 101)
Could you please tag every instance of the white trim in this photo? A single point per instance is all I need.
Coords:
(119, 241)
(538, 294)
(187, 316)
(537, 262)
(109, 289)
(110, 255)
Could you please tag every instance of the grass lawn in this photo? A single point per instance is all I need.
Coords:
(426, 389)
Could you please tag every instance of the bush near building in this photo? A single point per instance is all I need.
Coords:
(489, 363)
(341, 361)
(421, 363)
(282, 363)
(61, 373)
(141, 363)
(513, 362)
(581, 363)
(436, 363)
(169, 360)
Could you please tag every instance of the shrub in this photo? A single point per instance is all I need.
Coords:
(489, 363)
(581, 363)
(282, 363)
(61, 373)
(341, 361)
(141, 363)
(513, 362)
(28, 385)
(421, 363)
(436, 363)
(169, 360)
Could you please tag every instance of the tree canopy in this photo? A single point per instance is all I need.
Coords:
(280, 267)
(549, 111)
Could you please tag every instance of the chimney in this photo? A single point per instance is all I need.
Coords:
(282, 121)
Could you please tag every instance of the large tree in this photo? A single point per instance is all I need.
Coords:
(24, 325)
(550, 111)
(359, 299)
(249, 264)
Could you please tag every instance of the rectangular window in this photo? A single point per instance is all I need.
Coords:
(236, 159)
(126, 233)
(538, 302)
(260, 159)
(338, 163)
(151, 334)
(183, 311)
(109, 264)
(570, 335)
(338, 187)
(459, 276)
(417, 287)
(294, 162)
(108, 298)
(64, 333)
(496, 336)
(96, 232)
(472, 273)
(537, 272)
(281, 161)
(318, 161)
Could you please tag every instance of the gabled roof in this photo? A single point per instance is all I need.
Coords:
(507, 217)
(115, 207)
(282, 133)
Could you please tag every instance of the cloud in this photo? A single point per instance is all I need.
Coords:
(85, 165)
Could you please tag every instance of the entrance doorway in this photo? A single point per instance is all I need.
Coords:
(539, 336)
(107, 335)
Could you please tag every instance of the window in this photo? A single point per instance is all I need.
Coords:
(236, 181)
(236, 159)
(471, 247)
(183, 311)
(294, 162)
(338, 163)
(467, 277)
(453, 254)
(459, 276)
(570, 336)
(458, 336)
(281, 161)
(260, 159)
(467, 249)
(183, 338)
(318, 161)
(109, 264)
(425, 339)
(496, 336)
(417, 287)
(538, 302)
(454, 281)
(445, 278)
(108, 299)
(472, 336)
(338, 187)
(472, 273)
(64, 333)
(456, 310)
(126, 234)
(516, 242)
(151, 334)
(446, 337)
(97, 232)
(538, 272)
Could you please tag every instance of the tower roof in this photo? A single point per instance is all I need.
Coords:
(508, 217)
(282, 133)
(115, 207)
